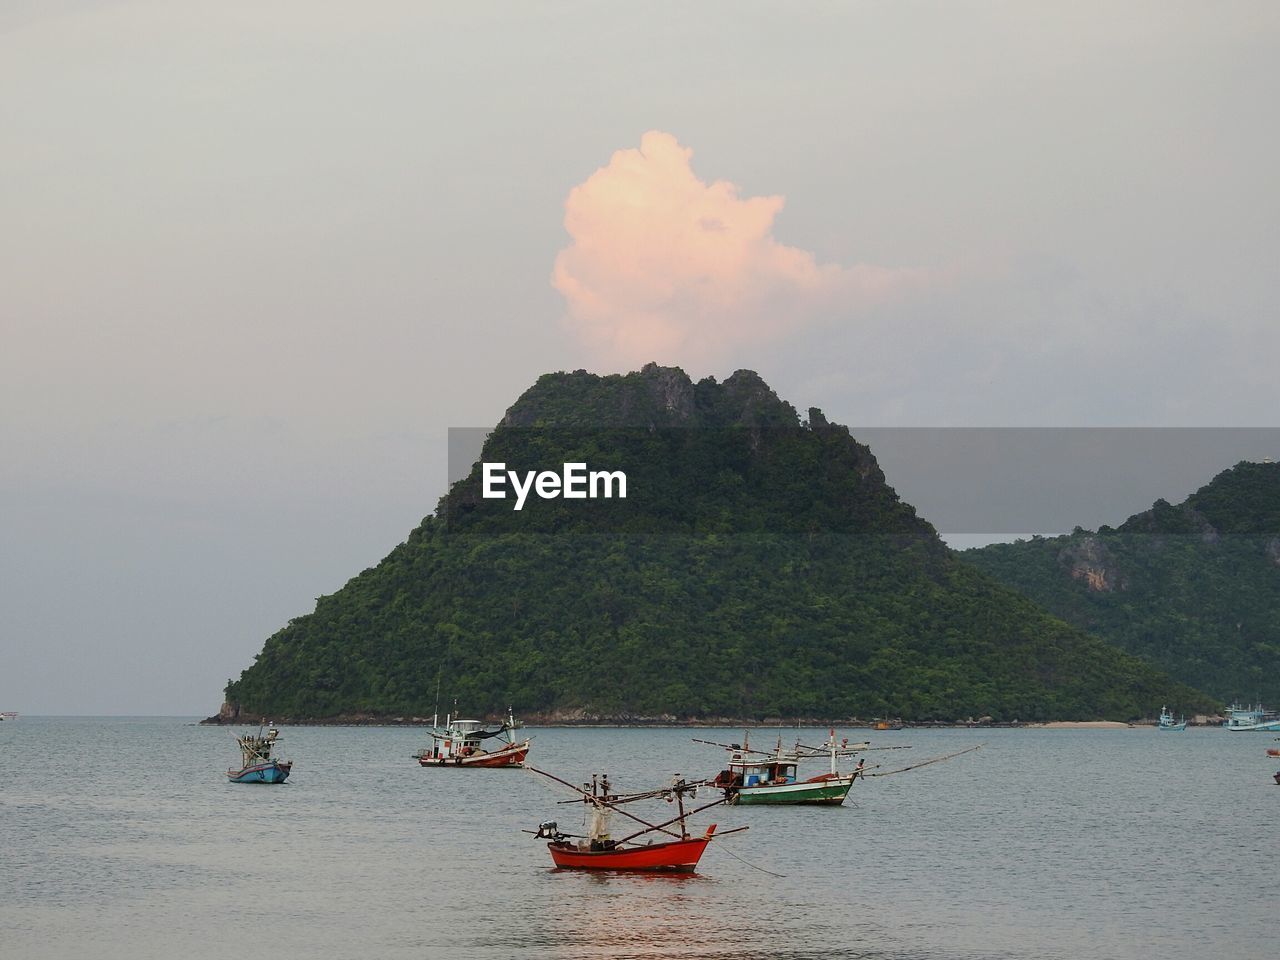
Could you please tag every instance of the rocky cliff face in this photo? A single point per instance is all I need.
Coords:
(1191, 586)
(1090, 562)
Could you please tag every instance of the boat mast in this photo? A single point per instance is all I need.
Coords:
(677, 787)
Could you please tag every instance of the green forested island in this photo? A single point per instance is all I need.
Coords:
(760, 566)
(1193, 588)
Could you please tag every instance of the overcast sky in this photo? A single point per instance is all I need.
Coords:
(256, 258)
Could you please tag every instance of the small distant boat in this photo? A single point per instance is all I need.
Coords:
(257, 765)
(888, 725)
(1251, 718)
(1166, 721)
(461, 743)
(8, 715)
(597, 850)
(756, 777)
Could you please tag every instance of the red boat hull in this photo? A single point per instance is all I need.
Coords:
(678, 856)
(498, 758)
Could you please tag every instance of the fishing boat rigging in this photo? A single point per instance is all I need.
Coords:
(1252, 718)
(462, 743)
(257, 763)
(770, 777)
(597, 849)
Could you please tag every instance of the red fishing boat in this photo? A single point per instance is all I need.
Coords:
(677, 856)
(598, 850)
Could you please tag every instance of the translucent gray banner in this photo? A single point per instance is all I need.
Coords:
(999, 482)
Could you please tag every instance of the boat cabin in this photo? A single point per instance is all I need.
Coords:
(460, 739)
(1248, 717)
(754, 773)
(256, 748)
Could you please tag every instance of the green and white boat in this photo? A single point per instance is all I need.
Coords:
(754, 776)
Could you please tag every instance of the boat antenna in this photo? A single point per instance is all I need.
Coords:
(435, 716)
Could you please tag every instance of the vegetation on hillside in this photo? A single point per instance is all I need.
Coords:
(1193, 588)
(760, 566)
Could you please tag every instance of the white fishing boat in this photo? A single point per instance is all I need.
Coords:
(1252, 718)
(461, 743)
(1167, 723)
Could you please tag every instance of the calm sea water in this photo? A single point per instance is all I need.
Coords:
(122, 838)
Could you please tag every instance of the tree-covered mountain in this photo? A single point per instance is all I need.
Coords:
(1193, 588)
(759, 566)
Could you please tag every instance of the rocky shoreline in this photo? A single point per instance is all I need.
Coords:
(231, 716)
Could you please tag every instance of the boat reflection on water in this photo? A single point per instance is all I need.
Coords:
(647, 916)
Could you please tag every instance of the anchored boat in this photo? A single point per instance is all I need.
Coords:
(461, 743)
(1166, 721)
(756, 776)
(257, 765)
(598, 850)
(1247, 718)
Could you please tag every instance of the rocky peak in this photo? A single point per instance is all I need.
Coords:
(670, 388)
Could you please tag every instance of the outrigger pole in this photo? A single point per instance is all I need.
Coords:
(649, 827)
(681, 818)
(596, 800)
(733, 746)
(844, 751)
(925, 763)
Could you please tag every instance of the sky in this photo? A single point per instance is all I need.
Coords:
(257, 259)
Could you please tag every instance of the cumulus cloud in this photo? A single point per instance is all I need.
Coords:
(664, 266)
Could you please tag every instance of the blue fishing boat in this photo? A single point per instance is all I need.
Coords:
(1166, 721)
(1244, 718)
(257, 765)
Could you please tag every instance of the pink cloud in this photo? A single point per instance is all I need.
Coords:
(663, 266)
